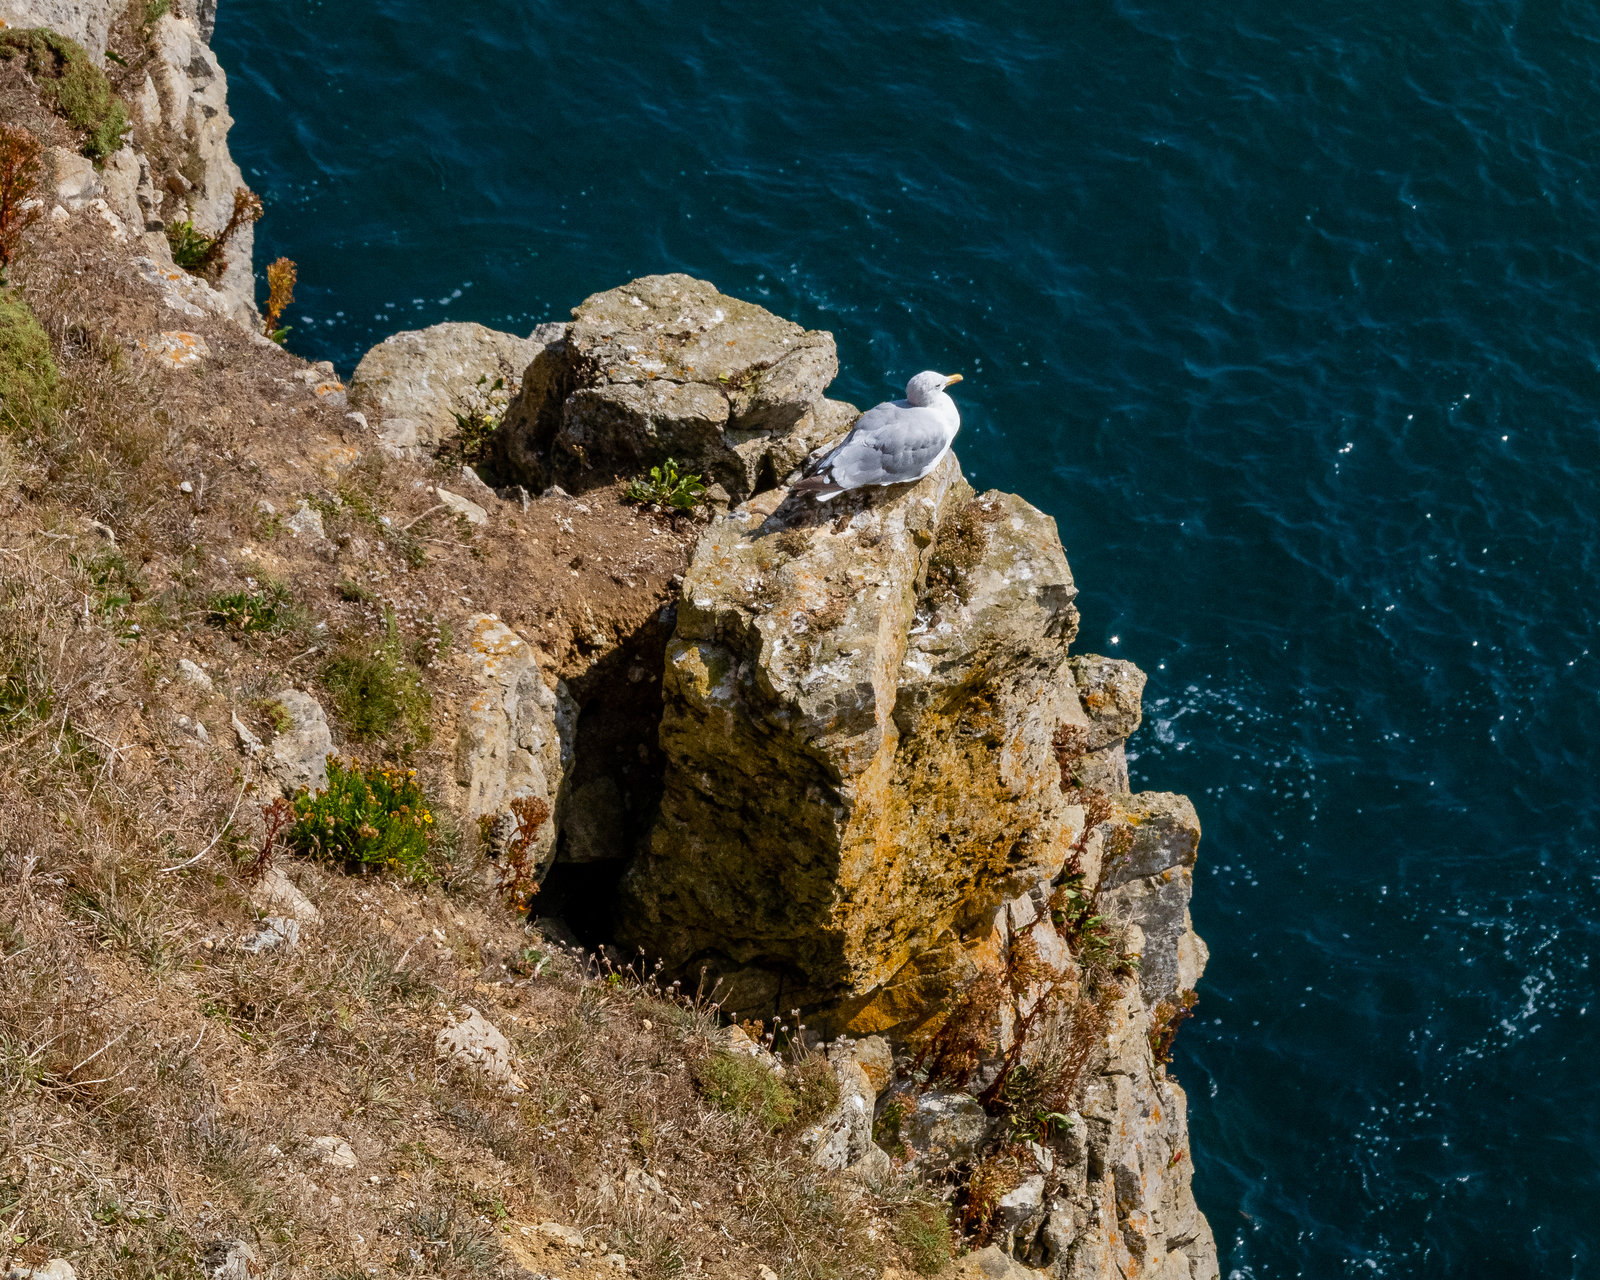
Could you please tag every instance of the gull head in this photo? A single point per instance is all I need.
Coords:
(926, 387)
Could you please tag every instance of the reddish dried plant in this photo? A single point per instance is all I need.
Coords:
(19, 176)
(281, 277)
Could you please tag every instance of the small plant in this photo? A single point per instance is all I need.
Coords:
(509, 839)
(478, 415)
(70, 82)
(377, 693)
(666, 487)
(378, 820)
(886, 1128)
(743, 1085)
(270, 609)
(1168, 1017)
(19, 177)
(203, 255)
(281, 278)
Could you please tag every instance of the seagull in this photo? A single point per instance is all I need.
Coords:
(894, 443)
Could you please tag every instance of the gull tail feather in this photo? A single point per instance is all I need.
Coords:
(819, 486)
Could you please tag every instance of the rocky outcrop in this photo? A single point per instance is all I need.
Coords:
(417, 387)
(859, 723)
(667, 367)
(513, 743)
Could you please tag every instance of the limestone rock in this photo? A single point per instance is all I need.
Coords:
(860, 707)
(468, 510)
(1020, 1213)
(271, 933)
(666, 366)
(842, 1139)
(414, 384)
(514, 737)
(191, 672)
(334, 1152)
(86, 21)
(176, 348)
(991, 1263)
(276, 894)
(55, 1269)
(942, 1128)
(232, 1260)
(1147, 850)
(475, 1045)
(298, 754)
(306, 521)
(192, 93)
(77, 182)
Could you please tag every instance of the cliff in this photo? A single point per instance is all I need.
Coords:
(402, 810)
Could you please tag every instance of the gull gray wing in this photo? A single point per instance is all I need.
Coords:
(889, 444)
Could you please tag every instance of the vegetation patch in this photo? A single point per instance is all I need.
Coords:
(666, 486)
(269, 609)
(29, 379)
(19, 176)
(203, 255)
(378, 694)
(70, 82)
(742, 1084)
(922, 1229)
(378, 820)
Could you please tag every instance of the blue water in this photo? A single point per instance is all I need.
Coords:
(1288, 313)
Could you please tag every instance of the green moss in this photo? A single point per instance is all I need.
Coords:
(28, 376)
(740, 1084)
(70, 82)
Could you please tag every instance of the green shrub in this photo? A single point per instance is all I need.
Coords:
(28, 375)
(378, 820)
(70, 82)
(665, 487)
(191, 248)
(269, 609)
(378, 694)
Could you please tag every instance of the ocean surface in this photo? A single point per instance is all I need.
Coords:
(1289, 314)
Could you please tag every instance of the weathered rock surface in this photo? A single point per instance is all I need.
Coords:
(412, 385)
(842, 1139)
(298, 754)
(86, 21)
(859, 723)
(277, 895)
(514, 738)
(475, 1045)
(666, 366)
(232, 1260)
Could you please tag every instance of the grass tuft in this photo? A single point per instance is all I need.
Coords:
(70, 82)
(378, 694)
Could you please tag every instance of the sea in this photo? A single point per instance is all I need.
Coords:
(1289, 314)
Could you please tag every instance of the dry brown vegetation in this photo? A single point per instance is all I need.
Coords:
(161, 1086)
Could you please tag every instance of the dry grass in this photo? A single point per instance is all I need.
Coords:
(161, 1086)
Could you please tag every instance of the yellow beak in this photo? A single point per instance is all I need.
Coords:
(951, 378)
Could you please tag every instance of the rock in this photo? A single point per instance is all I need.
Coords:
(176, 348)
(77, 182)
(414, 384)
(991, 1263)
(942, 1128)
(1020, 1212)
(276, 894)
(86, 21)
(514, 738)
(457, 505)
(334, 1152)
(248, 742)
(298, 756)
(232, 1260)
(569, 1236)
(734, 1039)
(476, 1046)
(842, 1139)
(55, 1269)
(1147, 851)
(665, 367)
(191, 672)
(473, 483)
(192, 97)
(271, 933)
(888, 676)
(305, 522)
(1111, 692)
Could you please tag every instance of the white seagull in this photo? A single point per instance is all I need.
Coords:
(894, 443)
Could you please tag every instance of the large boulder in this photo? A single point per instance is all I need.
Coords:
(667, 367)
(861, 705)
(417, 385)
